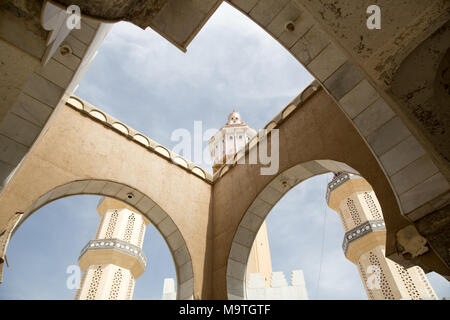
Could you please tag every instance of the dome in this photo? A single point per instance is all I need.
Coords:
(234, 118)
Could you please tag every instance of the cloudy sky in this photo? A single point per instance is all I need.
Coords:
(147, 83)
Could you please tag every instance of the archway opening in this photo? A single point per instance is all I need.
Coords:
(305, 234)
(308, 256)
(80, 221)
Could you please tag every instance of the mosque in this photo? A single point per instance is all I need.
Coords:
(376, 116)
(113, 260)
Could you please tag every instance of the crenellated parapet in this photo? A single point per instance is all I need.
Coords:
(279, 288)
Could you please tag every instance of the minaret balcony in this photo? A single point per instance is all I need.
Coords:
(337, 181)
(113, 251)
(364, 237)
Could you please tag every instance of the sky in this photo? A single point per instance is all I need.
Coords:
(148, 84)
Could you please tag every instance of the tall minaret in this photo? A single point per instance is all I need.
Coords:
(231, 138)
(113, 261)
(365, 240)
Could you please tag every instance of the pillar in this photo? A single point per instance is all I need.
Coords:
(364, 243)
(113, 261)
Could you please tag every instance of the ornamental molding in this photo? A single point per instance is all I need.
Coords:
(361, 231)
(117, 245)
(335, 183)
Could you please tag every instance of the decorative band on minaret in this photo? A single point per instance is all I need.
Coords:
(113, 261)
(365, 240)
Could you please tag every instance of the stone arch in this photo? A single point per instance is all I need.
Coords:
(80, 155)
(314, 137)
(297, 27)
(300, 29)
(421, 84)
(386, 146)
(260, 208)
(142, 204)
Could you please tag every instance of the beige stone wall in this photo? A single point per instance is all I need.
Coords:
(30, 91)
(171, 194)
(305, 151)
(101, 161)
(357, 121)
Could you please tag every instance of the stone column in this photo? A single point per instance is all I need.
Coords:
(113, 261)
(365, 240)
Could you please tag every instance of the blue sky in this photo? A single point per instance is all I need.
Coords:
(144, 81)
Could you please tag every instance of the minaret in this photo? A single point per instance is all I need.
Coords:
(261, 282)
(365, 240)
(259, 260)
(113, 261)
(231, 138)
